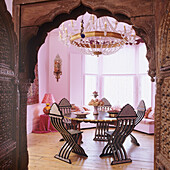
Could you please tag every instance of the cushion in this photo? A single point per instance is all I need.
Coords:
(147, 121)
(147, 112)
(75, 108)
(151, 115)
(116, 108)
(86, 109)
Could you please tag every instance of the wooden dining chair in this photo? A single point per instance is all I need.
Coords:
(102, 127)
(125, 125)
(106, 106)
(140, 115)
(70, 136)
(65, 108)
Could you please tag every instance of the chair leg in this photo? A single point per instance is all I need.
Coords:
(134, 140)
(79, 150)
(65, 152)
(107, 151)
(116, 149)
(119, 155)
(67, 148)
(121, 162)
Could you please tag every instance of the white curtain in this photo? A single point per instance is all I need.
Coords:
(122, 77)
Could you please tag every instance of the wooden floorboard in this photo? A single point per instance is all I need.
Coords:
(43, 147)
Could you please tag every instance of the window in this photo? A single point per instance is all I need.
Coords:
(122, 77)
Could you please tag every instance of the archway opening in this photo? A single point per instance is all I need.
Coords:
(40, 38)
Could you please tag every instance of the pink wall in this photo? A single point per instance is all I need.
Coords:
(61, 88)
(9, 5)
(33, 111)
(70, 85)
(47, 80)
(43, 67)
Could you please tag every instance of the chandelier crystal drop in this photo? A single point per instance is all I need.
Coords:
(96, 36)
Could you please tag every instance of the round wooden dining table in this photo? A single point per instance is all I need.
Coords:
(102, 120)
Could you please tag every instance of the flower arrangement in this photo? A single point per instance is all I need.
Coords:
(96, 102)
(95, 94)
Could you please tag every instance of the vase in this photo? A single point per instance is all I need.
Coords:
(95, 110)
(46, 109)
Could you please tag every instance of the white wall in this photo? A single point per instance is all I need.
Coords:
(76, 79)
(33, 112)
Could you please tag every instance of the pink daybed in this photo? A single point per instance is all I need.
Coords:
(146, 126)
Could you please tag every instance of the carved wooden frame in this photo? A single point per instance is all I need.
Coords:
(33, 35)
(9, 113)
(161, 145)
(33, 31)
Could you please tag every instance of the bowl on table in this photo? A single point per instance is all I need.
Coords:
(113, 113)
(81, 114)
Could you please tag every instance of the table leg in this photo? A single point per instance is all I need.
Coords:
(80, 138)
(77, 124)
(101, 128)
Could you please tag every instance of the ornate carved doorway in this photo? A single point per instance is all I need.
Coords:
(34, 18)
(9, 115)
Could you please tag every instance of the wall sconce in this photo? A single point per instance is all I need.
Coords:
(57, 67)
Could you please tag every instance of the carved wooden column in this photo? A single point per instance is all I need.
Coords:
(23, 159)
(9, 115)
(162, 102)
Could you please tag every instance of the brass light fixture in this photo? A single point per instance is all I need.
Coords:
(96, 36)
(57, 67)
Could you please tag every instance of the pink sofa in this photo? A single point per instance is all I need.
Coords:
(146, 126)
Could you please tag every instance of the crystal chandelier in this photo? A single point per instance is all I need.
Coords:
(96, 36)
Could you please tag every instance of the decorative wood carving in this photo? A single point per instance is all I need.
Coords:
(145, 28)
(162, 120)
(162, 124)
(48, 10)
(164, 38)
(9, 139)
(33, 92)
(59, 12)
(38, 17)
(129, 8)
(23, 88)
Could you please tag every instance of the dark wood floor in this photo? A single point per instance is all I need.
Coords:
(43, 147)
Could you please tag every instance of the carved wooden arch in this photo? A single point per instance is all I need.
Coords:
(144, 28)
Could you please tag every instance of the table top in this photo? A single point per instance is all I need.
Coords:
(101, 117)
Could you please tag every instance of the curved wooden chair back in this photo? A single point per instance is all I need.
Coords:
(106, 106)
(57, 118)
(125, 125)
(140, 112)
(70, 136)
(126, 121)
(65, 106)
